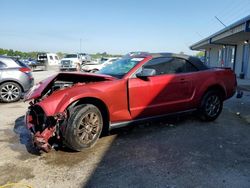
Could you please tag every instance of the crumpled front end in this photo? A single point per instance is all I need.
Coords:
(45, 129)
(50, 99)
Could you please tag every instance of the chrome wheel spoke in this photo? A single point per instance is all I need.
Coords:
(90, 136)
(82, 137)
(4, 89)
(4, 95)
(12, 87)
(9, 92)
(80, 131)
(88, 127)
(212, 106)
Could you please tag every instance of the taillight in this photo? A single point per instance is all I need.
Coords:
(25, 69)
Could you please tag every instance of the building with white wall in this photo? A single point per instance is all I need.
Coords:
(229, 47)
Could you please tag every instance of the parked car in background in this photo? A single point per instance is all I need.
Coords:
(15, 79)
(29, 62)
(44, 60)
(95, 66)
(76, 108)
(74, 62)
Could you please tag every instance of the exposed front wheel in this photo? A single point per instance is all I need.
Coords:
(211, 106)
(84, 127)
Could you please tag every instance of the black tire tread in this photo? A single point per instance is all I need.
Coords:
(69, 138)
(203, 115)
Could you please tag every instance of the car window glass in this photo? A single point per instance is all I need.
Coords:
(2, 65)
(190, 67)
(20, 63)
(51, 58)
(170, 66)
(161, 65)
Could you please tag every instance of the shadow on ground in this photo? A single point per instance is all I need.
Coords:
(24, 134)
(185, 153)
(170, 153)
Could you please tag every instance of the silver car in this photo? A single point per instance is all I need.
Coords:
(15, 79)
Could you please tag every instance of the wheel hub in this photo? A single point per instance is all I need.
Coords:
(9, 92)
(213, 105)
(88, 128)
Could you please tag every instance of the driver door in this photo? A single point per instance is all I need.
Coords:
(168, 91)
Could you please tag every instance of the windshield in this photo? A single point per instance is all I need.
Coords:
(120, 67)
(71, 56)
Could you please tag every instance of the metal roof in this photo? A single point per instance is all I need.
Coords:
(228, 28)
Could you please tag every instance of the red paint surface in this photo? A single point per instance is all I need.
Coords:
(130, 98)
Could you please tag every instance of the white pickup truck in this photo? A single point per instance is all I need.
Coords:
(74, 61)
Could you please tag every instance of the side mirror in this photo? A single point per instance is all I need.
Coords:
(146, 73)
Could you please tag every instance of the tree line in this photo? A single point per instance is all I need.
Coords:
(10, 52)
(33, 55)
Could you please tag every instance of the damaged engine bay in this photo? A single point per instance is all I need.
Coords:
(49, 129)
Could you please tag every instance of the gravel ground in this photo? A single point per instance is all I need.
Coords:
(179, 152)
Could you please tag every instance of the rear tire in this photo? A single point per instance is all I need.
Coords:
(10, 92)
(211, 106)
(84, 127)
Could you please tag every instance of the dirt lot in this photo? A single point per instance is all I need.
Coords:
(181, 152)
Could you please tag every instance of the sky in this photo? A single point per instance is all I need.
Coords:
(113, 26)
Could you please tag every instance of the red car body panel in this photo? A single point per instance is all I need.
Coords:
(131, 98)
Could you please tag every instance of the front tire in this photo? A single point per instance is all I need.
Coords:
(211, 106)
(84, 127)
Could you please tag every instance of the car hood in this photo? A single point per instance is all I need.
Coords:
(37, 90)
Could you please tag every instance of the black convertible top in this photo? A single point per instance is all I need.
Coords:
(193, 60)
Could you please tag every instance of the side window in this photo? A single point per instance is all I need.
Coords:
(170, 66)
(182, 66)
(56, 57)
(2, 65)
(190, 67)
(51, 58)
(161, 65)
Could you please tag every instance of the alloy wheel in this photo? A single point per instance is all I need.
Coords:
(10, 92)
(213, 105)
(89, 127)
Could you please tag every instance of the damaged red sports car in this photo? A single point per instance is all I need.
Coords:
(76, 108)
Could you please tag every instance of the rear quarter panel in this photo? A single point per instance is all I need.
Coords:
(202, 80)
(13, 74)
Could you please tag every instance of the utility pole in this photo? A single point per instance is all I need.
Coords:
(220, 21)
(80, 45)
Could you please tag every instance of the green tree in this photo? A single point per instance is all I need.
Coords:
(200, 54)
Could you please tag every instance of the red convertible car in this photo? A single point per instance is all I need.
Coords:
(76, 108)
